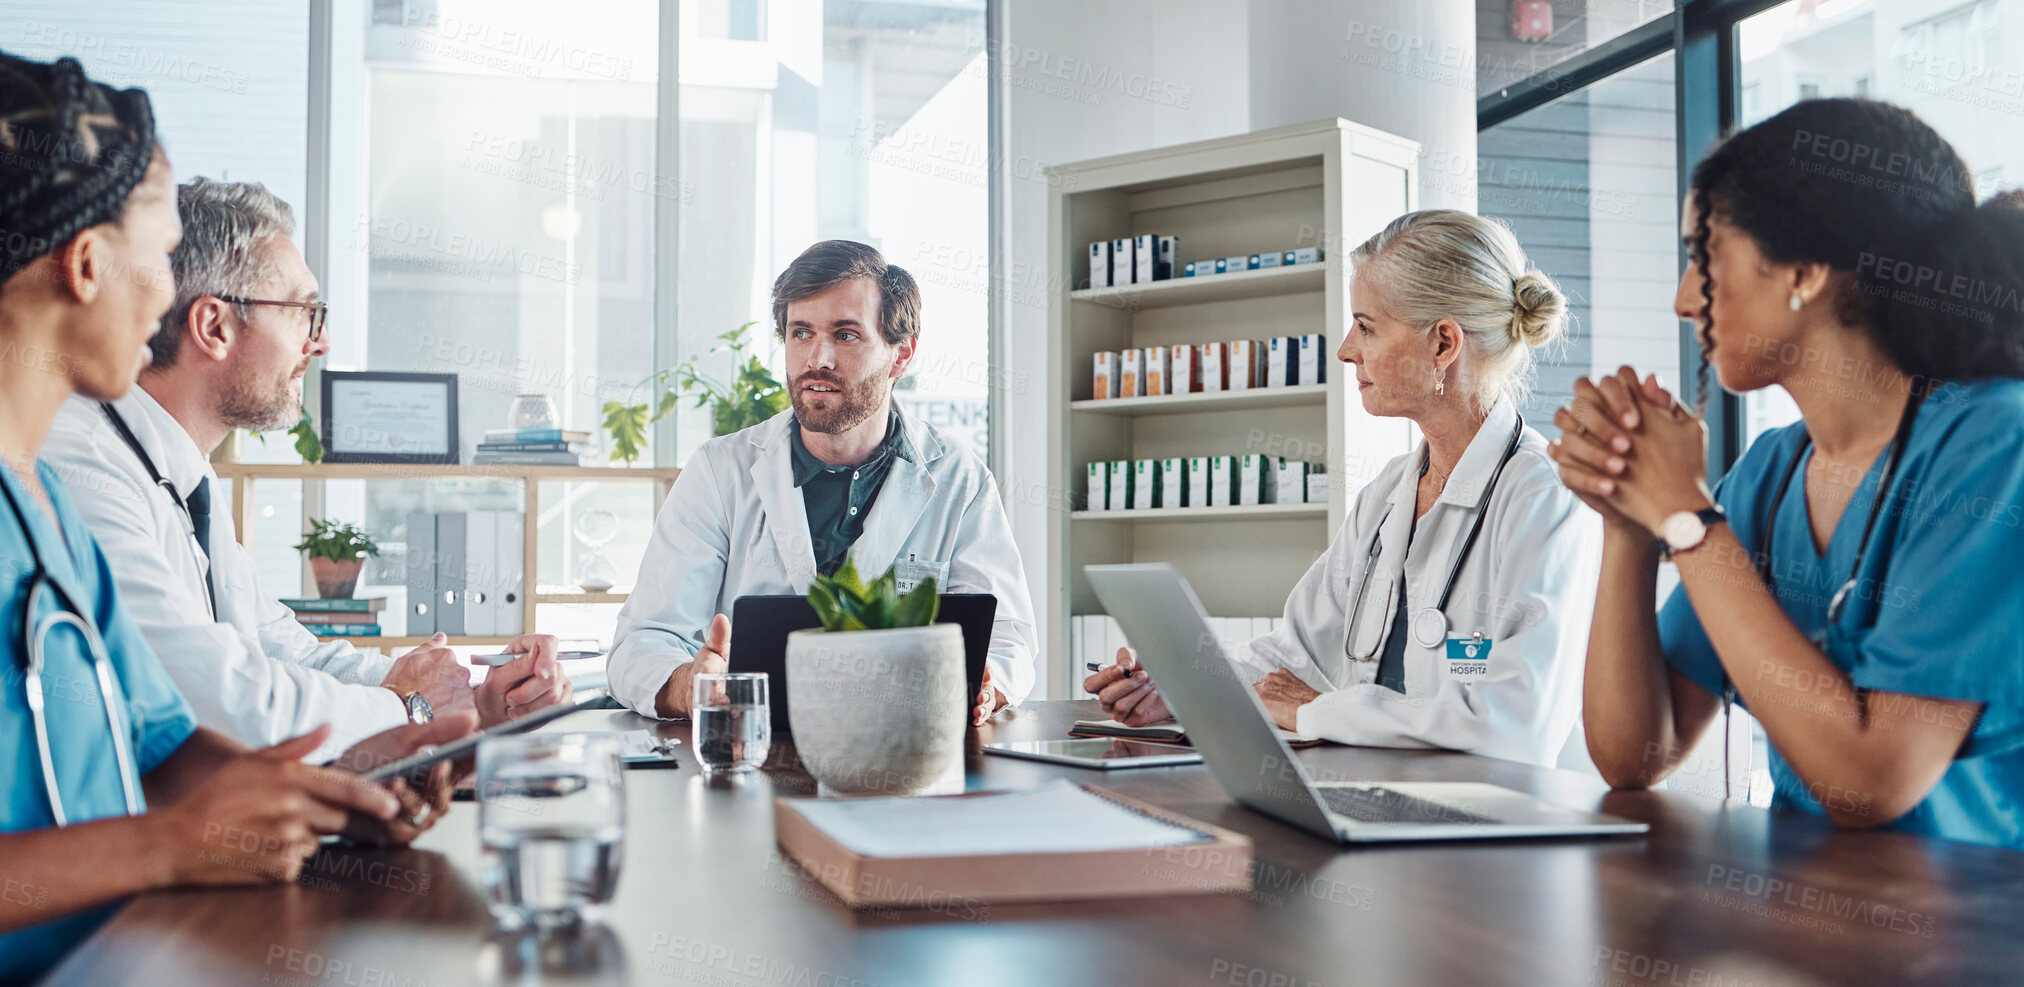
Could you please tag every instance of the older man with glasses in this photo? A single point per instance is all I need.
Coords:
(231, 353)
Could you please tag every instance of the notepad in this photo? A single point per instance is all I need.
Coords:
(1056, 842)
(1054, 818)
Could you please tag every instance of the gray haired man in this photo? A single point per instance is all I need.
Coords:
(231, 353)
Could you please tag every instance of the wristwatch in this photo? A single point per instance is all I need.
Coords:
(419, 710)
(1683, 530)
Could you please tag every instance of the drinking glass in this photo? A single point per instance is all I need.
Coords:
(551, 819)
(734, 726)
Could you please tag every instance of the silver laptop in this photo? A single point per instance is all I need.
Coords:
(1228, 724)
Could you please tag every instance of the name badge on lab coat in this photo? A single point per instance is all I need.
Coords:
(1468, 656)
(910, 571)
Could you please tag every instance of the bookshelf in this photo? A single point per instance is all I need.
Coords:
(1329, 184)
(242, 476)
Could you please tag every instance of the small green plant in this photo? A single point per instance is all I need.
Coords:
(844, 603)
(307, 444)
(328, 539)
(751, 397)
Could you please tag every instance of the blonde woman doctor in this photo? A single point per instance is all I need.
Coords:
(1452, 609)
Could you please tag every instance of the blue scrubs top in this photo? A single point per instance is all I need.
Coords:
(1938, 605)
(156, 714)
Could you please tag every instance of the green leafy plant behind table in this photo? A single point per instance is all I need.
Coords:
(752, 396)
(308, 444)
(327, 539)
(844, 603)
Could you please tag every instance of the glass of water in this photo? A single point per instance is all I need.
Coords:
(551, 818)
(734, 726)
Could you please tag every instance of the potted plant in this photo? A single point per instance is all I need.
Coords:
(877, 695)
(336, 553)
(751, 397)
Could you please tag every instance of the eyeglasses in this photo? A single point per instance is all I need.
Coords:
(318, 311)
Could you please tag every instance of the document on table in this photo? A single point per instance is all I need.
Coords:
(1054, 818)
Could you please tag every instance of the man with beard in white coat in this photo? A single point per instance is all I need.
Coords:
(841, 474)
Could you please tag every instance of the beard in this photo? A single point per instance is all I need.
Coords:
(261, 404)
(856, 401)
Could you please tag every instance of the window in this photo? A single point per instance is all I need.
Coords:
(1947, 68)
(848, 119)
(1589, 184)
(209, 90)
(1519, 39)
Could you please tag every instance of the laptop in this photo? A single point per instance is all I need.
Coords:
(1165, 622)
(760, 625)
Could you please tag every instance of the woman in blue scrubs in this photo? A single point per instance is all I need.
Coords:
(87, 221)
(1854, 580)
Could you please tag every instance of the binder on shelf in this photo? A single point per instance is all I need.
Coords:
(1120, 262)
(420, 562)
(508, 618)
(481, 534)
(453, 548)
(1098, 494)
(1112, 847)
(1198, 481)
(1132, 373)
(1099, 264)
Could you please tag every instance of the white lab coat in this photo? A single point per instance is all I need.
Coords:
(254, 674)
(1528, 586)
(734, 525)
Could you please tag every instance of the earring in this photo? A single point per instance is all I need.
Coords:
(1441, 382)
(1796, 301)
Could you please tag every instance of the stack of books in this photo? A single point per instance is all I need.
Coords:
(339, 617)
(536, 447)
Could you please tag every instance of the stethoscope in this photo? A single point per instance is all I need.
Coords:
(202, 551)
(33, 634)
(1429, 625)
(1839, 601)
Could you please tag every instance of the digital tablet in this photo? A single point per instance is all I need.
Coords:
(428, 757)
(1103, 755)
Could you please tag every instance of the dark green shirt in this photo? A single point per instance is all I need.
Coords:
(837, 498)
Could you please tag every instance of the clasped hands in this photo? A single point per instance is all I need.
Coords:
(1632, 452)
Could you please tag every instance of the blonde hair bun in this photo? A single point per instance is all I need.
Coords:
(1538, 309)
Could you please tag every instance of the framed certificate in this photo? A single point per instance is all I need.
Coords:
(376, 417)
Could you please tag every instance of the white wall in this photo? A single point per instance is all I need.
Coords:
(1407, 67)
(1089, 79)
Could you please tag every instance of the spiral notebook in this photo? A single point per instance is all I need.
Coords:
(1169, 732)
(1056, 842)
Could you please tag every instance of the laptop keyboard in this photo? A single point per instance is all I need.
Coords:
(1384, 805)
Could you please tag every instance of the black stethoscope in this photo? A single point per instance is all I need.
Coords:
(1429, 624)
(33, 634)
(203, 552)
(1839, 601)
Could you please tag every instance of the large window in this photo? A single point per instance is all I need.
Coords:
(1588, 183)
(1948, 62)
(807, 120)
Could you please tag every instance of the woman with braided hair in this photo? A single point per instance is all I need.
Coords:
(109, 787)
(1853, 580)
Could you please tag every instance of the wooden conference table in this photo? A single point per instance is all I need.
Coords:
(1714, 897)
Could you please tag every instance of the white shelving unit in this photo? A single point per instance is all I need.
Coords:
(1329, 184)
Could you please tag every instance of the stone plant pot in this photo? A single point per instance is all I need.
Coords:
(335, 578)
(878, 712)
